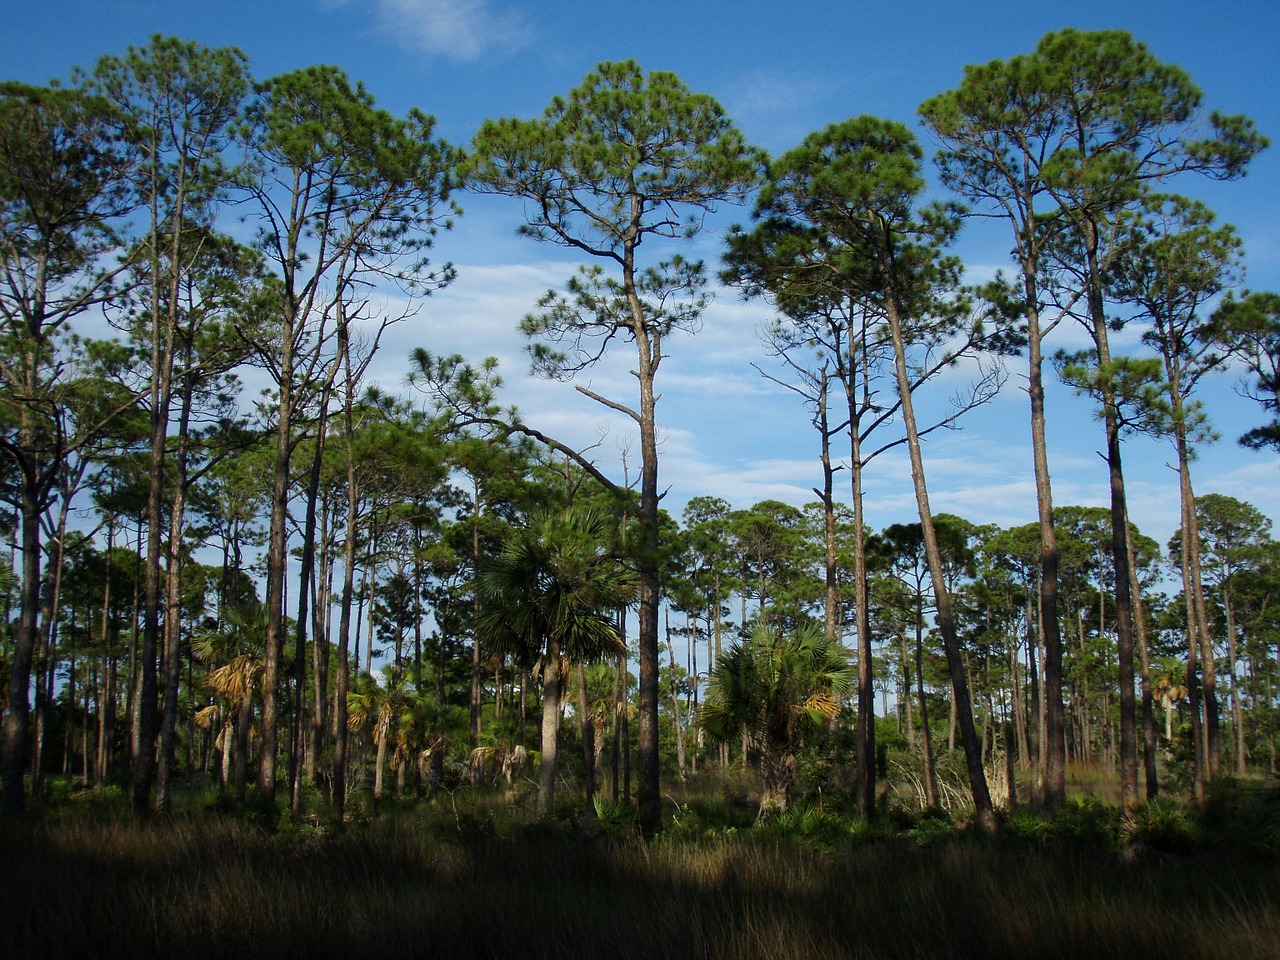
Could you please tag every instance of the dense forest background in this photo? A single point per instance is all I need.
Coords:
(237, 567)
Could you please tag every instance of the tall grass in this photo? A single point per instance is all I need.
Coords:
(204, 886)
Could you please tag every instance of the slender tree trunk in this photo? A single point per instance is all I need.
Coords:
(306, 580)
(1119, 530)
(240, 765)
(826, 497)
(173, 594)
(47, 658)
(945, 619)
(865, 785)
(380, 765)
(1052, 743)
(277, 558)
(619, 708)
(476, 696)
(930, 769)
(1035, 715)
(24, 643)
(675, 706)
(906, 690)
(342, 682)
(551, 681)
(648, 340)
(106, 694)
(587, 734)
(1149, 744)
(1209, 694)
(1237, 711)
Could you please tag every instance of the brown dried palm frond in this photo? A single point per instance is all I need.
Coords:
(235, 679)
(208, 717)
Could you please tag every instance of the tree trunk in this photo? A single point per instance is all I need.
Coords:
(675, 707)
(906, 690)
(1149, 745)
(173, 591)
(476, 775)
(930, 769)
(551, 681)
(1237, 711)
(24, 643)
(240, 767)
(984, 811)
(865, 775)
(306, 581)
(342, 682)
(1208, 691)
(777, 772)
(587, 733)
(1119, 527)
(1053, 743)
(619, 707)
(277, 559)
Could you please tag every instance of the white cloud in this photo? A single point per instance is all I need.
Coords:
(455, 29)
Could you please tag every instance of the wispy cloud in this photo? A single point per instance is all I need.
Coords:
(454, 29)
(778, 107)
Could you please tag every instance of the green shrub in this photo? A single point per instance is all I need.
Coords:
(1088, 821)
(1028, 827)
(1161, 825)
(616, 820)
(931, 830)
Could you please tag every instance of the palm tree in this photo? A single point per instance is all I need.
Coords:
(386, 711)
(501, 753)
(550, 594)
(233, 654)
(777, 689)
(1171, 687)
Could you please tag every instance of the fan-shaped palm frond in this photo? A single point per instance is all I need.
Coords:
(777, 689)
(550, 593)
(555, 578)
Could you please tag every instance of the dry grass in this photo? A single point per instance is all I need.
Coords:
(209, 887)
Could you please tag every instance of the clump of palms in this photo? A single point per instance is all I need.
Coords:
(406, 727)
(232, 652)
(550, 594)
(373, 709)
(778, 690)
(504, 757)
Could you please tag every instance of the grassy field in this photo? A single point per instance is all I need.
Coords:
(444, 883)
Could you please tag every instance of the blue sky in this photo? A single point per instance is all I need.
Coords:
(780, 75)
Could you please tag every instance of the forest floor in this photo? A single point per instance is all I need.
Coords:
(79, 879)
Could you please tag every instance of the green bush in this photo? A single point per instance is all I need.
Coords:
(616, 820)
(1028, 827)
(931, 830)
(1160, 824)
(806, 824)
(1088, 821)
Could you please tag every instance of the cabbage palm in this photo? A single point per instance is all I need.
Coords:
(1170, 686)
(233, 654)
(550, 593)
(778, 689)
(380, 709)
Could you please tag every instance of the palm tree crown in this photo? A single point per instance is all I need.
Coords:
(550, 593)
(777, 689)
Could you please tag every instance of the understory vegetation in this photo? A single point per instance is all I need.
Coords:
(471, 877)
